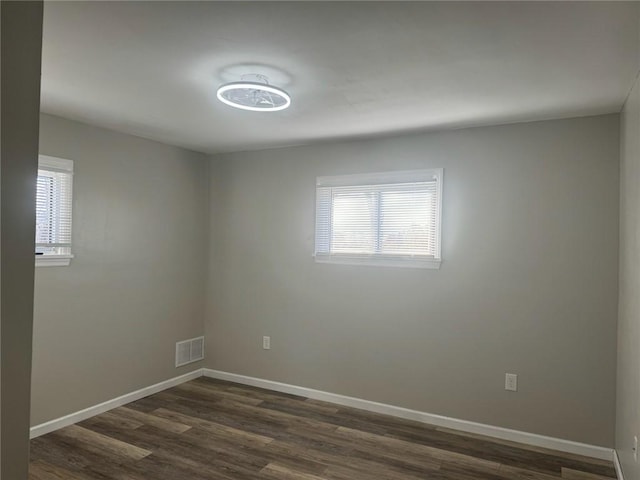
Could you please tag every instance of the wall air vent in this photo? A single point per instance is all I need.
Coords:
(189, 351)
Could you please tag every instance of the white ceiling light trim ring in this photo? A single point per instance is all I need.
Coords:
(256, 96)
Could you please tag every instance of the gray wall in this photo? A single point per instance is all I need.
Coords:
(528, 282)
(107, 324)
(628, 397)
(21, 47)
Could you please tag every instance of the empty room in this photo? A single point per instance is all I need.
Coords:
(319, 240)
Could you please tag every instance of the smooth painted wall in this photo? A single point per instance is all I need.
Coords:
(107, 324)
(528, 282)
(628, 384)
(21, 38)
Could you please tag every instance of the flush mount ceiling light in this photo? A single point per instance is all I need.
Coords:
(254, 93)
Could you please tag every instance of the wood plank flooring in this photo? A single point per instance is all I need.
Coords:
(214, 430)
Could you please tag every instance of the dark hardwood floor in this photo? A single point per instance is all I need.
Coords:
(209, 429)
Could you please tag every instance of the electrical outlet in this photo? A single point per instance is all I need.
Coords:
(635, 448)
(266, 343)
(511, 382)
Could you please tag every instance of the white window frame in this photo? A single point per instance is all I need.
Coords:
(46, 162)
(381, 178)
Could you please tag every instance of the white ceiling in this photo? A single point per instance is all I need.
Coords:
(353, 69)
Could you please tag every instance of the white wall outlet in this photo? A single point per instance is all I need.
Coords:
(635, 448)
(266, 343)
(511, 382)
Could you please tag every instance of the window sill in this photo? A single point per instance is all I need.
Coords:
(380, 261)
(53, 260)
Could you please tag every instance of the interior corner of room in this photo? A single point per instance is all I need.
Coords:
(194, 249)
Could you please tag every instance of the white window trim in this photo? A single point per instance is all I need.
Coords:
(64, 165)
(55, 163)
(379, 261)
(53, 260)
(406, 176)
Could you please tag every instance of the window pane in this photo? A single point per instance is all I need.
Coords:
(407, 222)
(44, 210)
(390, 219)
(354, 222)
(53, 212)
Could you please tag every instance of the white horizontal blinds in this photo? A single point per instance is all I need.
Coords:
(323, 220)
(53, 209)
(396, 219)
(393, 215)
(408, 219)
(355, 220)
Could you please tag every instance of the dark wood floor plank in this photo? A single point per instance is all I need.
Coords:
(148, 419)
(41, 470)
(212, 393)
(340, 472)
(217, 430)
(98, 443)
(232, 419)
(364, 462)
(112, 419)
(571, 474)
(56, 451)
(336, 418)
(280, 472)
(434, 453)
(508, 472)
(372, 455)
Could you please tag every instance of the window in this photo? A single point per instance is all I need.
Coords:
(53, 211)
(390, 219)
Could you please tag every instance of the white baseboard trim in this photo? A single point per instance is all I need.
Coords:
(76, 417)
(616, 463)
(432, 419)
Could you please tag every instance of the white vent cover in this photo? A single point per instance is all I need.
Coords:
(189, 351)
(197, 349)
